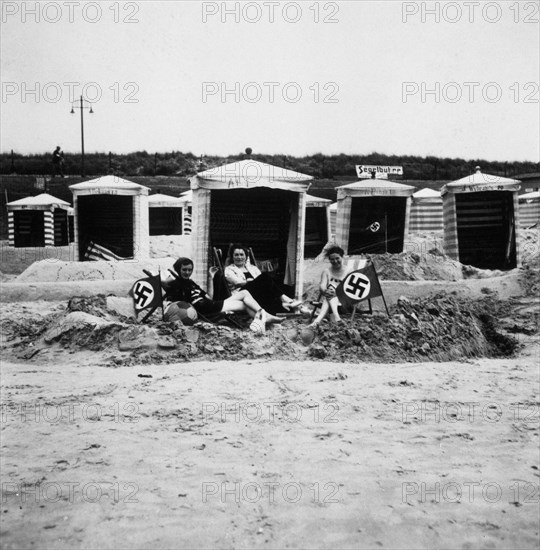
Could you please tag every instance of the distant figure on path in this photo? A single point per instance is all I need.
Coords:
(58, 162)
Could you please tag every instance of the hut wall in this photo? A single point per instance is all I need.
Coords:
(343, 222)
(450, 237)
(296, 265)
(141, 227)
(186, 219)
(426, 215)
(201, 241)
(529, 213)
(48, 227)
(11, 229)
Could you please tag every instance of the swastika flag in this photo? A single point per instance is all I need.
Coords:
(146, 293)
(359, 285)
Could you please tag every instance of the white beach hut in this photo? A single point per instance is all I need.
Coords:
(260, 205)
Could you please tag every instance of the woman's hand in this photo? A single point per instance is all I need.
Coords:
(330, 292)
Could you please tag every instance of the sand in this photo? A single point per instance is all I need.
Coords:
(267, 453)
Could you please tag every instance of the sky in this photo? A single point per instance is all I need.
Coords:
(449, 79)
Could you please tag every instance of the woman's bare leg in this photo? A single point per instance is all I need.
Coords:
(334, 304)
(322, 314)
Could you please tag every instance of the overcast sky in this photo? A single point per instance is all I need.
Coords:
(421, 78)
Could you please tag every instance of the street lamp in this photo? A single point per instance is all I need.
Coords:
(83, 104)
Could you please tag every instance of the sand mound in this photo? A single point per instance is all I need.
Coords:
(439, 328)
(56, 271)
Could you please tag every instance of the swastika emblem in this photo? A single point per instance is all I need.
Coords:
(356, 286)
(143, 293)
(375, 226)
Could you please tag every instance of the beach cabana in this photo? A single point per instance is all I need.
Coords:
(426, 211)
(481, 221)
(39, 221)
(317, 232)
(165, 215)
(186, 199)
(113, 213)
(529, 209)
(373, 216)
(260, 205)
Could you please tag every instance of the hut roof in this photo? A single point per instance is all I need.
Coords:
(316, 201)
(427, 193)
(186, 196)
(160, 200)
(106, 184)
(530, 196)
(481, 182)
(39, 202)
(249, 174)
(375, 188)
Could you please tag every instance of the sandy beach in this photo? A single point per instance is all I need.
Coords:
(266, 454)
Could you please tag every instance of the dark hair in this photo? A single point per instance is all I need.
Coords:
(335, 250)
(237, 246)
(180, 262)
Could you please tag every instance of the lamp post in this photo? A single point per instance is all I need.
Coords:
(83, 104)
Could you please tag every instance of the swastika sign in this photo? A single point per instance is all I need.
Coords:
(143, 294)
(356, 286)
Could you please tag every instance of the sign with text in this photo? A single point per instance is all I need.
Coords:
(365, 171)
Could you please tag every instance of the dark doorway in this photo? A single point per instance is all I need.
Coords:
(106, 220)
(258, 218)
(316, 231)
(486, 229)
(370, 213)
(60, 227)
(165, 221)
(29, 228)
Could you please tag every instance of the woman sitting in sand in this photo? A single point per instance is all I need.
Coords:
(242, 275)
(180, 288)
(330, 279)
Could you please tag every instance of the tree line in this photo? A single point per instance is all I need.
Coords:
(177, 163)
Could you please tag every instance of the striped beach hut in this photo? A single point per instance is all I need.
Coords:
(318, 231)
(529, 209)
(481, 221)
(165, 215)
(373, 216)
(112, 214)
(38, 221)
(186, 199)
(260, 205)
(426, 211)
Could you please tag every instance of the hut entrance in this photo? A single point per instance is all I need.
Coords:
(106, 220)
(165, 221)
(28, 225)
(259, 218)
(485, 227)
(375, 210)
(316, 231)
(60, 227)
